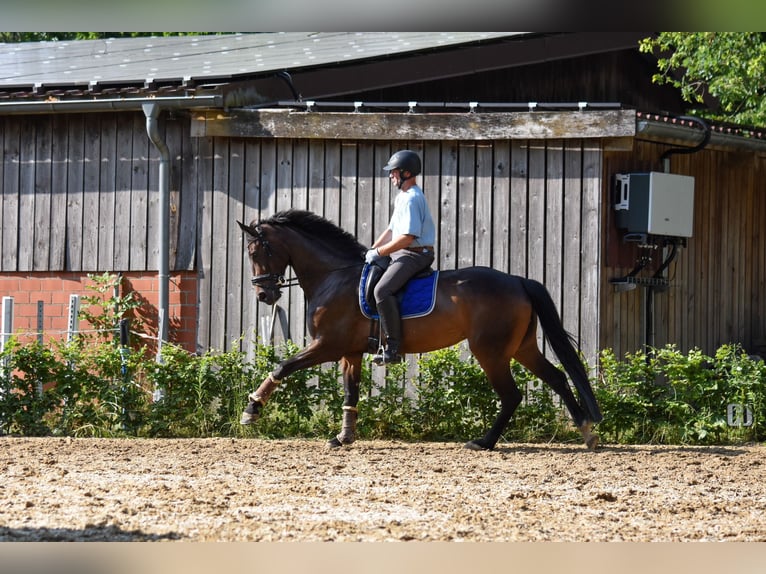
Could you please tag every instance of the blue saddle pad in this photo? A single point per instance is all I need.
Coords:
(416, 299)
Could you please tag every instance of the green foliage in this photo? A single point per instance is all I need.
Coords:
(667, 397)
(729, 66)
(106, 306)
(455, 400)
(91, 387)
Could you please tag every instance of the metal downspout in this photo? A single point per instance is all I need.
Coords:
(152, 111)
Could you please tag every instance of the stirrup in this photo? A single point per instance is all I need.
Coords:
(386, 357)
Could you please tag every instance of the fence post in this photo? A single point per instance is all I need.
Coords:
(40, 316)
(7, 328)
(73, 323)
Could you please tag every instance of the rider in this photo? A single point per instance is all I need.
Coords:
(409, 243)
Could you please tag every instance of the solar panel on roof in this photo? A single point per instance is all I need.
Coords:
(205, 58)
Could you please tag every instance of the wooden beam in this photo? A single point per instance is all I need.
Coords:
(413, 126)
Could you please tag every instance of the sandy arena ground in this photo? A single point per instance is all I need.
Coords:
(59, 489)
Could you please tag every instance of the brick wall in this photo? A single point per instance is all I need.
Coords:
(54, 289)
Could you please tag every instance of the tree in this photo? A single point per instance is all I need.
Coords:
(722, 72)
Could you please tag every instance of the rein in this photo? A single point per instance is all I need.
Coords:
(282, 281)
(277, 280)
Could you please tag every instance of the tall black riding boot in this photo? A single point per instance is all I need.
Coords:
(391, 322)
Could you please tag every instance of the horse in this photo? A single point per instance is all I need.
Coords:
(495, 312)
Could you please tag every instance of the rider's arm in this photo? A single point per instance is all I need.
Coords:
(395, 244)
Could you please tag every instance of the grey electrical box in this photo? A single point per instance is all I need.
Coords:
(654, 203)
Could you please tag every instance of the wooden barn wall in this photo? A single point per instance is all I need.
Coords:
(79, 193)
(530, 208)
(717, 292)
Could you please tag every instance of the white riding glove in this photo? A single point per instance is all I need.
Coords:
(371, 256)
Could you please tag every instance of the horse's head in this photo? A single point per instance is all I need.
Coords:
(267, 264)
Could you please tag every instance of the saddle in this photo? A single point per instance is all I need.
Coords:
(416, 299)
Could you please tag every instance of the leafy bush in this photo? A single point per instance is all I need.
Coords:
(667, 397)
(93, 386)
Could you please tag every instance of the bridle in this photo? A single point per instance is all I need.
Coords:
(275, 281)
(269, 281)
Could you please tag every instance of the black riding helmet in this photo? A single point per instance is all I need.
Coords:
(405, 160)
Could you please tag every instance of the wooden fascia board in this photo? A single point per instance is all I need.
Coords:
(413, 126)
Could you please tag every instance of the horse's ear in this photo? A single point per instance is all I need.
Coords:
(248, 229)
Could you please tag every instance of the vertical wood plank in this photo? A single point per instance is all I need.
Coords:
(518, 206)
(591, 258)
(91, 196)
(205, 161)
(348, 187)
(269, 206)
(316, 176)
(449, 207)
(364, 192)
(501, 206)
(429, 181)
(139, 196)
(554, 221)
(484, 206)
(466, 200)
(153, 201)
(300, 200)
(536, 209)
(332, 197)
(174, 139)
(107, 193)
(382, 190)
(252, 212)
(123, 176)
(187, 202)
(59, 168)
(27, 163)
(218, 252)
(74, 214)
(10, 215)
(571, 311)
(235, 245)
(43, 194)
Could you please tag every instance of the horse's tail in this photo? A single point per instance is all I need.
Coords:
(563, 344)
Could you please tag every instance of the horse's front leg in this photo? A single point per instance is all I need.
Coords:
(312, 355)
(352, 372)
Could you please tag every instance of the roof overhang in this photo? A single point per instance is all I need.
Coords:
(280, 123)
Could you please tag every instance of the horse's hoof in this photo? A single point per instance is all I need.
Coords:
(334, 443)
(592, 442)
(251, 413)
(473, 445)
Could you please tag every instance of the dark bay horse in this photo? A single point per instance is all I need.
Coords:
(495, 312)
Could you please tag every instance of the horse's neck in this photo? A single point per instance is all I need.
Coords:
(314, 265)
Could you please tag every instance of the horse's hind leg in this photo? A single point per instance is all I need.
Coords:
(529, 356)
(498, 371)
(352, 372)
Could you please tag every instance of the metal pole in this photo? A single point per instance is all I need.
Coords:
(152, 111)
(7, 326)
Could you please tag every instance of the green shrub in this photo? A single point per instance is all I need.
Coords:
(92, 386)
(667, 397)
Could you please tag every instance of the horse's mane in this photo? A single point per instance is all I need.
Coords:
(320, 228)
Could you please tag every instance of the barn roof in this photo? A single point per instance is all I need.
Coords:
(206, 58)
(282, 68)
(259, 68)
